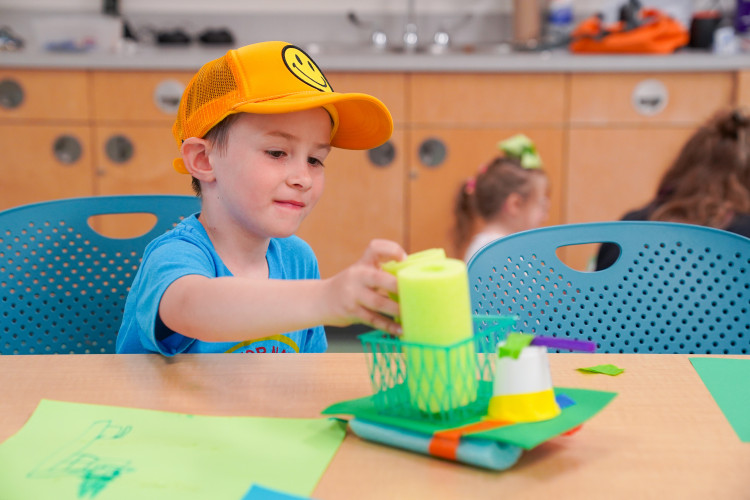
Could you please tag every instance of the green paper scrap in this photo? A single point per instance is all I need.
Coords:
(73, 451)
(727, 381)
(514, 344)
(605, 369)
(526, 435)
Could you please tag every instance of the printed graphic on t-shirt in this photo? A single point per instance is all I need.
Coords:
(274, 343)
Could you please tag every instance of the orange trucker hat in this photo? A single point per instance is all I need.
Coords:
(270, 78)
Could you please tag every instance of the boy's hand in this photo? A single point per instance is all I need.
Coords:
(359, 293)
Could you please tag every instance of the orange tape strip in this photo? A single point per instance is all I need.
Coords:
(444, 444)
(572, 431)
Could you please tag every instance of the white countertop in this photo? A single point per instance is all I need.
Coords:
(190, 58)
(335, 49)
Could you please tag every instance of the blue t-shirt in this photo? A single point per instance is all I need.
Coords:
(187, 249)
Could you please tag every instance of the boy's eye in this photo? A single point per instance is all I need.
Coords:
(275, 154)
(315, 161)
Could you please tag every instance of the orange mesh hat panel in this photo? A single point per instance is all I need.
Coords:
(276, 77)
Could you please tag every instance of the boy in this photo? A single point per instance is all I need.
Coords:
(254, 128)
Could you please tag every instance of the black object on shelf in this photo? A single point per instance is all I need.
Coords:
(629, 14)
(216, 37)
(174, 37)
(111, 8)
(702, 28)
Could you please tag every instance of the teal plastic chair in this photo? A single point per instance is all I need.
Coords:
(675, 288)
(62, 284)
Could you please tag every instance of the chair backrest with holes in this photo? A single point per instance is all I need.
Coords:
(675, 288)
(62, 284)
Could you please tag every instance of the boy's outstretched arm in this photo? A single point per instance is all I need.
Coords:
(236, 309)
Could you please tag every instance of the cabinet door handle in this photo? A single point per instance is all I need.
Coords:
(383, 155)
(119, 149)
(11, 94)
(67, 149)
(167, 95)
(649, 97)
(432, 152)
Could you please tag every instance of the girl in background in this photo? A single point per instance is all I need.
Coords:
(507, 195)
(708, 184)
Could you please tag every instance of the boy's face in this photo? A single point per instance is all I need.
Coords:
(271, 175)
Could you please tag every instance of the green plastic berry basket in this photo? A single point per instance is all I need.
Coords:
(441, 384)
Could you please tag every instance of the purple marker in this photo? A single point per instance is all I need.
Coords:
(567, 344)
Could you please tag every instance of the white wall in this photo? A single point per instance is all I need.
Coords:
(252, 6)
(215, 6)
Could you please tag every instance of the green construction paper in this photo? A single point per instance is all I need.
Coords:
(587, 404)
(611, 370)
(527, 435)
(514, 344)
(727, 381)
(71, 451)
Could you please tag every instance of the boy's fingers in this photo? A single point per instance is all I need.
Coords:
(380, 303)
(380, 322)
(379, 251)
(381, 280)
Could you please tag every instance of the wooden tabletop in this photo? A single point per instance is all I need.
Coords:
(663, 436)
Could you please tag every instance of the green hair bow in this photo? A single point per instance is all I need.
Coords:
(521, 147)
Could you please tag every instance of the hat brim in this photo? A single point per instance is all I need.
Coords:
(363, 121)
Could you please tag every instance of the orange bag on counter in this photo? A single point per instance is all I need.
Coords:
(656, 33)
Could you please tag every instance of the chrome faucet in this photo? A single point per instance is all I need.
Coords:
(441, 40)
(378, 38)
(411, 37)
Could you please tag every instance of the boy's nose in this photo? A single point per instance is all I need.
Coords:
(299, 175)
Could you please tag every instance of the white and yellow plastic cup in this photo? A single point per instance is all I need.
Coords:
(522, 390)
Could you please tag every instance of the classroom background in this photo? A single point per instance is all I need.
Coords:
(98, 122)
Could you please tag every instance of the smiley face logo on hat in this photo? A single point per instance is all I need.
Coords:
(304, 68)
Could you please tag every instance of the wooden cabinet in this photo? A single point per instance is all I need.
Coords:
(31, 171)
(45, 136)
(464, 116)
(605, 140)
(410, 200)
(743, 88)
(624, 131)
(82, 133)
(133, 113)
(44, 95)
(138, 96)
(647, 99)
(133, 159)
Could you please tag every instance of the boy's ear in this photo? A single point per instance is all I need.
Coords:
(195, 156)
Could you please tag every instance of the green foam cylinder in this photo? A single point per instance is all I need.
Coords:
(435, 303)
(396, 266)
(436, 310)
